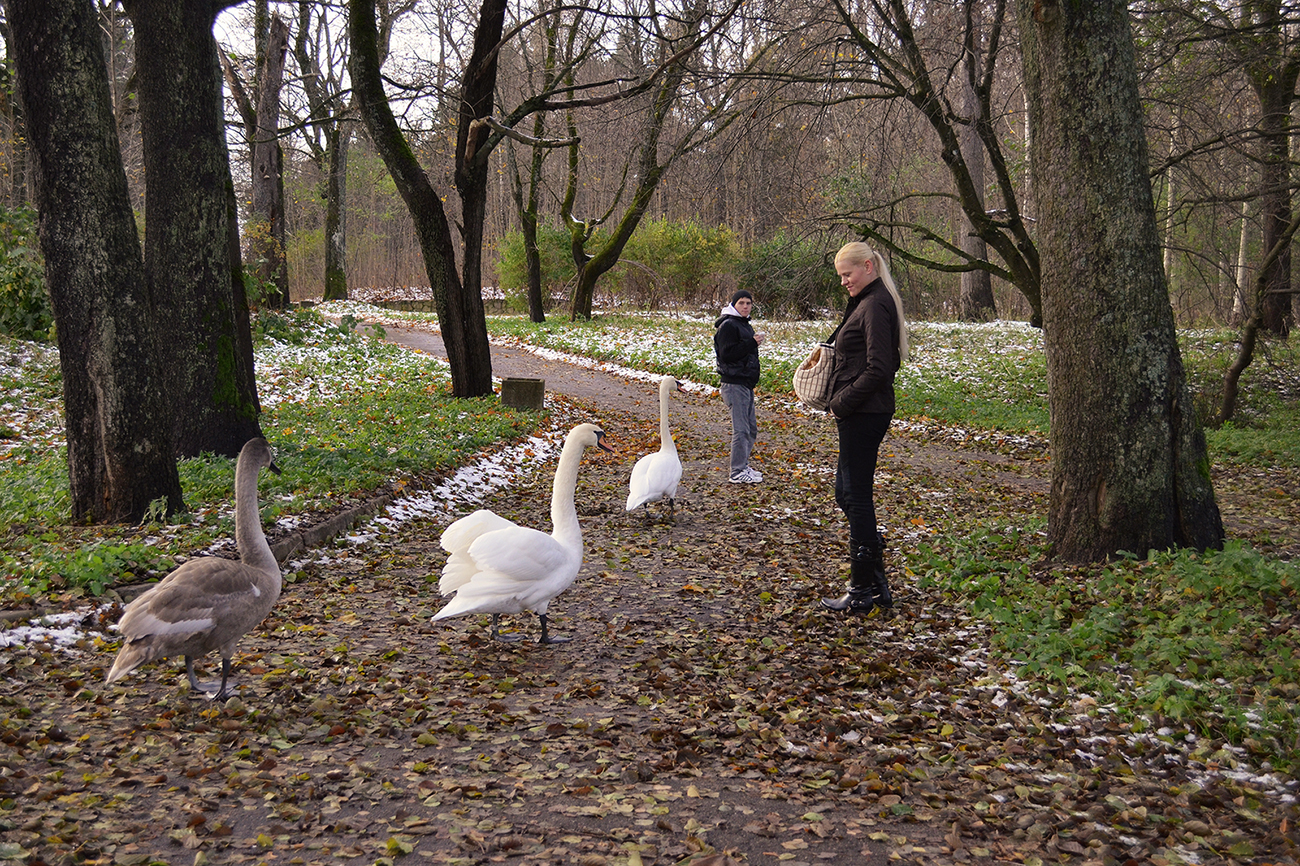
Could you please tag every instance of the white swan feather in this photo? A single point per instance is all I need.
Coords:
(656, 475)
(497, 566)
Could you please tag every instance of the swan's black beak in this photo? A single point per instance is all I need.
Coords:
(601, 443)
(273, 467)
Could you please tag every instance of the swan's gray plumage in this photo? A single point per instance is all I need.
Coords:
(208, 603)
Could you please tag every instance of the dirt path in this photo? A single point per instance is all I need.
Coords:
(705, 703)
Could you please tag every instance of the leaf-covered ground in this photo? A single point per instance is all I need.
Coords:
(705, 708)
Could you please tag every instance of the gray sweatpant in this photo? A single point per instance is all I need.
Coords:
(744, 423)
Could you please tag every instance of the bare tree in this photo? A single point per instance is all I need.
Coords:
(1250, 329)
(459, 308)
(321, 50)
(977, 304)
(526, 189)
(666, 110)
(265, 227)
(886, 59)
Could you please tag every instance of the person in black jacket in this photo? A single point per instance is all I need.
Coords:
(870, 345)
(736, 345)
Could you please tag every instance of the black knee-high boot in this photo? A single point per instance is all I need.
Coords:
(880, 594)
(862, 580)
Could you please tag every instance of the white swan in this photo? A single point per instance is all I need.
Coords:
(656, 475)
(496, 566)
(208, 603)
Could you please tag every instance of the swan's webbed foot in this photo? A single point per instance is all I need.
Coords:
(546, 637)
(210, 691)
(496, 634)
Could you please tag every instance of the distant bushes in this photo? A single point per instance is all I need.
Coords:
(665, 264)
(557, 265)
(683, 264)
(791, 277)
(25, 310)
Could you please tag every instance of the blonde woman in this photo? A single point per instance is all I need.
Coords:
(870, 345)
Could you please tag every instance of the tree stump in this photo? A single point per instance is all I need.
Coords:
(523, 393)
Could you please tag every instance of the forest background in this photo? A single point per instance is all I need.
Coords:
(803, 155)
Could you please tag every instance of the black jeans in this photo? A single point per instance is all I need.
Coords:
(855, 475)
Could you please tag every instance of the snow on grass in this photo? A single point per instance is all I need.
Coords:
(31, 413)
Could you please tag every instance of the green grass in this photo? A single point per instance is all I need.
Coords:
(1202, 640)
(990, 377)
(346, 414)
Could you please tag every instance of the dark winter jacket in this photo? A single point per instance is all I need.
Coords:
(866, 354)
(736, 348)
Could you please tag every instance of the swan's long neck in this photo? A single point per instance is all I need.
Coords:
(666, 442)
(564, 514)
(254, 551)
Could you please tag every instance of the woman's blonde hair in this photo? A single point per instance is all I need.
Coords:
(857, 251)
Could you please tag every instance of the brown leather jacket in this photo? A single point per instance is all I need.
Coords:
(866, 354)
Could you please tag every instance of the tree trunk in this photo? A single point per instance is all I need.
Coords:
(1275, 168)
(593, 267)
(460, 312)
(1250, 328)
(336, 160)
(265, 227)
(1171, 199)
(977, 304)
(322, 80)
(472, 152)
(528, 221)
(117, 411)
(192, 266)
(1240, 312)
(15, 191)
(1130, 471)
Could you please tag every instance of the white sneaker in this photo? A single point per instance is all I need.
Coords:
(748, 475)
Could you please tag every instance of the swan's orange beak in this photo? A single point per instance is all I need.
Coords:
(601, 443)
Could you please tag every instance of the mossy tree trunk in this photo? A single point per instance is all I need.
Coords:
(1130, 471)
(191, 253)
(116, 405)
(336, 247)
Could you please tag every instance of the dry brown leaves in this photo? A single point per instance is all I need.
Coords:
(707, 712)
